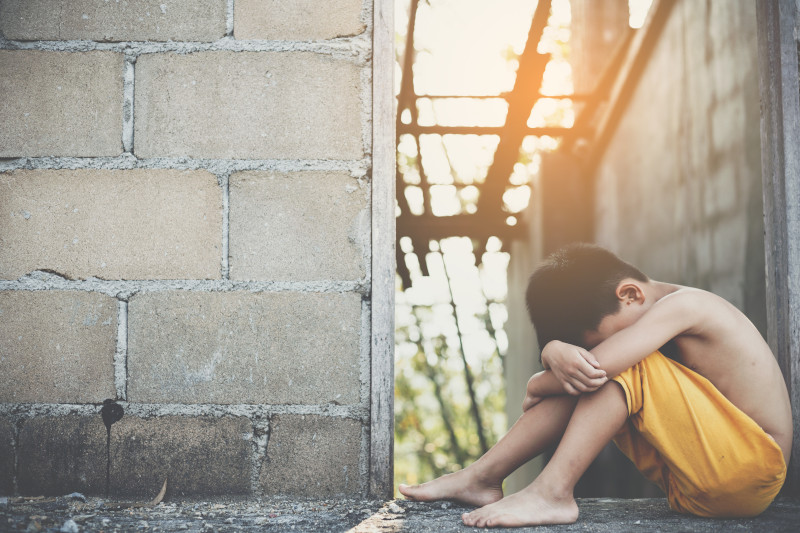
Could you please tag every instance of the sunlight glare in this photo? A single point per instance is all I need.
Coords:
(461, 44)
(435, 160)
(516, 198)
(444, 200)
(416, 202)
(638, 12)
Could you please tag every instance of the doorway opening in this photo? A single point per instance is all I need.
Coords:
(483, 89)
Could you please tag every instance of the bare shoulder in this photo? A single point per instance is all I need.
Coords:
(690, 297)
(695, 307)
(721, 326)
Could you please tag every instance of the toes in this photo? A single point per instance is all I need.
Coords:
(473, 519)
(408, 490)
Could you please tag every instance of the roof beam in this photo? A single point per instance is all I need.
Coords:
(520, 103)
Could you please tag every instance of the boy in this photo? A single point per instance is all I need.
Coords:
(713, 427)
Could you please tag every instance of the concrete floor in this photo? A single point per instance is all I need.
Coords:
(278, 515)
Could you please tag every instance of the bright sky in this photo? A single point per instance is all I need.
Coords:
(469, 47)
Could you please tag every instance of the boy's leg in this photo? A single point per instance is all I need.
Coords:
(710, 458)
(481, 482)
(597, 417)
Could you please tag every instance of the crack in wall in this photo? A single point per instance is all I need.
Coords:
(224, 183)
(121, 352)
(229, 10)
(261, 428)
(128, 102)
(56, 274)
(365, 377)
(17, 427)
(111, 412)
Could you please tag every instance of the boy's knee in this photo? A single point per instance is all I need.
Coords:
(614, 388)
(610, 395)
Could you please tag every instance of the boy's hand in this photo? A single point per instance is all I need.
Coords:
(541, 385)
(576, 369)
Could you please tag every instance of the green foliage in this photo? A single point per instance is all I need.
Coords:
(435, 430)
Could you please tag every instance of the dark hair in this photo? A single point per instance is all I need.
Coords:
(573, 289)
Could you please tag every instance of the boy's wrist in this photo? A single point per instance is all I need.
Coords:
(546, 352)
(545, 383)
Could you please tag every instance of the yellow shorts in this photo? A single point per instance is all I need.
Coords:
(709, 457)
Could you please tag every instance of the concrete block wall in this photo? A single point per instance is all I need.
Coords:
(678, 190)
(185, 207)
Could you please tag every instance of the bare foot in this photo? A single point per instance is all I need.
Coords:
(461, 486)
(529, 507)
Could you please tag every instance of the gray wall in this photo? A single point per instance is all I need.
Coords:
(185, 209)
(678, 190)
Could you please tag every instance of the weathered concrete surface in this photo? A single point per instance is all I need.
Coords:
(297, 226)
(250, 105)
(57, 346)
(278, 515)
(596, 515)
(121, 124)
(244, 348)
(198, 455)
(118, 20)
(59, 455)
(6, 457)
(60, 103)
(111, 224)
(297, 20)
(309, 455)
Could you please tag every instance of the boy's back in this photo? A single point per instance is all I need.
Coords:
(723, 346)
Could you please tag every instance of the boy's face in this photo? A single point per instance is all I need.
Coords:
(611, 324)
(633, 303)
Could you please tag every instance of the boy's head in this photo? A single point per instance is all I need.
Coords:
(573, 290)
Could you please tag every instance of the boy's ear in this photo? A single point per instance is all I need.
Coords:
(628, 292)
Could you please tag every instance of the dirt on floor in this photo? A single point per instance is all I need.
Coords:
(77, 514)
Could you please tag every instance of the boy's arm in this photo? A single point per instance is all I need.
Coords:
(576, 369)
(540, 385)
(671, 316)
(544, 383)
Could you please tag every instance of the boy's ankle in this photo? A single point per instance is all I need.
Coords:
(483, 476)
(553, 492)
